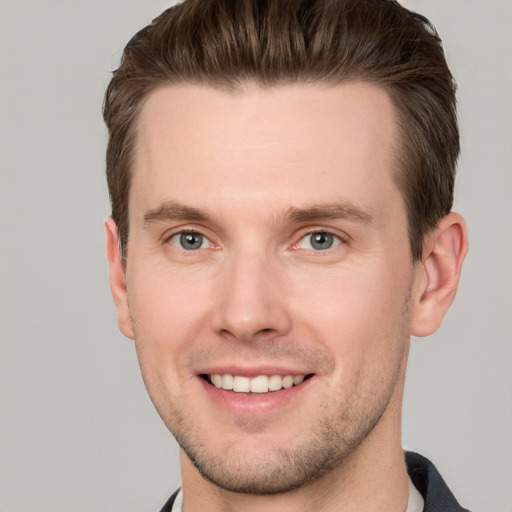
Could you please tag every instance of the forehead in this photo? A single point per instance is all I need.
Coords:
(283, 143)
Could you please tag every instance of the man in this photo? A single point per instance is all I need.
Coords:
(281, 178)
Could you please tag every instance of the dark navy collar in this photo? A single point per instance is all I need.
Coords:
(430, 484)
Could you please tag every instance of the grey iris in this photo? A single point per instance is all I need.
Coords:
(321, 241)
(191, 241)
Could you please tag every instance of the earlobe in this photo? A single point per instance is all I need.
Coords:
(117, 279)
(440, 269)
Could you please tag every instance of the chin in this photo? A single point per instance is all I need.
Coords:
(267, 471)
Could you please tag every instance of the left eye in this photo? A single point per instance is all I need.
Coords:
(319, 241)
(189, 240)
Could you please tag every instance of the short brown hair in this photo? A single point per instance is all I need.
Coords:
(226, 43)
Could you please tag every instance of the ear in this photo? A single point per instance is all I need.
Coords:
(117, 279)
(439, 274)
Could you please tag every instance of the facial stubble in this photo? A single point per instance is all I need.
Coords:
(329, 443)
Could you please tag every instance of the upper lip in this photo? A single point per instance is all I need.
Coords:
(252, 371)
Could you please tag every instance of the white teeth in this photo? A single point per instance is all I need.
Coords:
(259, 384)
(227, 381)
(287, 381)
(298, 379)
(241, 384)
(217, 380)
(275, 383)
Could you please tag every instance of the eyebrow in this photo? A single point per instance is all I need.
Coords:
(342, 210)
(172, 210)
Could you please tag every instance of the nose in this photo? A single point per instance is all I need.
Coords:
(251, 304)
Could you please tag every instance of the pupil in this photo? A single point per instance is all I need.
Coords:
(321, 240)
(190, 241)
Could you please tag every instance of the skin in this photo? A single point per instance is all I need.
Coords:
(255, 172)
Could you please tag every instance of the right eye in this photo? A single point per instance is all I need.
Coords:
(189, 241)
(319, 241)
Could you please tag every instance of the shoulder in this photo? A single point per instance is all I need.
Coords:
(428, 481)
(170, 502)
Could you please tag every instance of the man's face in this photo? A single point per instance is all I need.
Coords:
(268, 245)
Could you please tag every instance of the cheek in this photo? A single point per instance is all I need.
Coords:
(164, 301)
(168, 313)
(359, 313)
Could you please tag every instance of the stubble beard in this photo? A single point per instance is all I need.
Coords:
(285, 469)
(327, 446)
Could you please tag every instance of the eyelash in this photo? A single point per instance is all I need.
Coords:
(185, 232)
(335, 240)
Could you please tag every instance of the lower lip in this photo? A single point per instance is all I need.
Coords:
(253, 403)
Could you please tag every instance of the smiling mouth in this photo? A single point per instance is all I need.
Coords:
(259, 384)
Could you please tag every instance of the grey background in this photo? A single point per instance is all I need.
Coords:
(77, 431)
